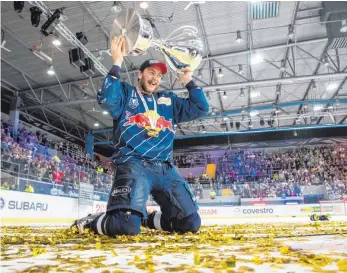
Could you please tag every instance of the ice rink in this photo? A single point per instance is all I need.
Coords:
(261, 245)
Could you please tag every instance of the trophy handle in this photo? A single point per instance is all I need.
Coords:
(186, 29)
(178, 64)
(159, 45)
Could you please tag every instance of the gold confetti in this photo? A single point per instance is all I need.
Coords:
(37, 251)
(342, 265)
(137, 259)
(196, 258)
(214, 249)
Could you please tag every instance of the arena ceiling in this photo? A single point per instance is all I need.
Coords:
(298, 79)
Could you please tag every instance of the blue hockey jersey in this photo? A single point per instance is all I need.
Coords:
(131, 121)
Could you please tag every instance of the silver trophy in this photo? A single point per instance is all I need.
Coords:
(182, 48)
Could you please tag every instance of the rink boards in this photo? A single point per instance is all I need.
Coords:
(26, 208)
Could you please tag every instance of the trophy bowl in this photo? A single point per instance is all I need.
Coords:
(138, 32)
(182, 48)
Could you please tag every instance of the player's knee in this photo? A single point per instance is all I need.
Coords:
(123, 223)
(190, 223)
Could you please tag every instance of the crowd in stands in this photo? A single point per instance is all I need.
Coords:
(29, 157)
(190, 160)
(251, 174)
(285, 172)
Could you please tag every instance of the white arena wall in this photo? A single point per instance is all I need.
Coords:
(21, 208)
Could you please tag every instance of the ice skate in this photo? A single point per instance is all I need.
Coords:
(83, 223)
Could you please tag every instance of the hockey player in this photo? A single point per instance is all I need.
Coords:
(143, 134)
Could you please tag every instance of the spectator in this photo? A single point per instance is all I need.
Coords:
(29, 188)
(5, 186)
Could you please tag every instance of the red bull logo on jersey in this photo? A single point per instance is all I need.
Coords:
(142, 121)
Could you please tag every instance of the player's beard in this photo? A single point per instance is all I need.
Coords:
(144, 87)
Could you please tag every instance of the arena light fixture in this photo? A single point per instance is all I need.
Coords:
(243, 109)
(50, 70)
(239, 39)
(250, 124)
(242, 93)
(225, 118)
(326, 61)
(105, 112)
(116, 7)
(256, 58)
(241, 71)
(262, 122)
(224, 95)
(200, 75)
(220, 73)
(343, 28)
(208, 96)
(291, 34)
(213, 112)
(237, 124)
(51, 23)
(35, 16)
(18, 6)
(254, 94)
(231, 124)
(143, 5)
(317, 107)
(295, 133)
(332, 86)
(283, 66)
(203, 129)
(96, 124)
(314, 86)
(337, 102)
(56, 41)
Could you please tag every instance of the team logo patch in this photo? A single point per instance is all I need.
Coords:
(163, 100)
(133, 103)
(107, 83)
(121, 190)
(142, 121)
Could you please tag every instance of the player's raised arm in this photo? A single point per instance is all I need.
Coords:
(112, 94)
(195, 106)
